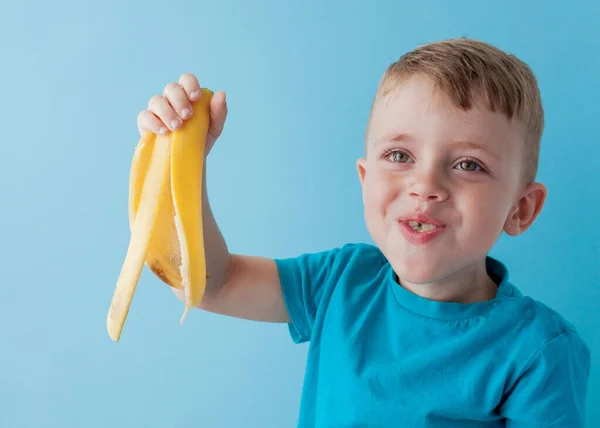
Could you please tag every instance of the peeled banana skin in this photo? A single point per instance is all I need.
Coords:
(165, 215)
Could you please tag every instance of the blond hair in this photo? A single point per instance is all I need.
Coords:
(464, 68)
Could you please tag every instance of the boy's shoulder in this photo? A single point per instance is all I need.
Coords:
(349, 257)
(542, 324)
(361, 252)
(540, 335)
(550, 320)
(357, 262)
(543, 320)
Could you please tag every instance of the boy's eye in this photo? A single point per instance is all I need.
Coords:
(467, 165)
(397, 156)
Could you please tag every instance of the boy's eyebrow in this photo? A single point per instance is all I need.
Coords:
(391, 137)
(395, 137)
(461, 143)
(477, 146)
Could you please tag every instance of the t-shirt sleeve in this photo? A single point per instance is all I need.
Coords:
(304, 280)
(551, 391)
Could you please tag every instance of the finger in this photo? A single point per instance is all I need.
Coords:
(178, 99)
(190, 85)
(218, 114)
(147, 121)
(163, 109)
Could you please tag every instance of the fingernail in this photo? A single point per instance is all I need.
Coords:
(162, 131)
(174, 123)
(195, 94)
(185, 112)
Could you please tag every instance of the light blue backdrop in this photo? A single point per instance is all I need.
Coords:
(300, 77)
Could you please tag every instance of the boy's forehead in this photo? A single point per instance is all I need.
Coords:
(417, 96)
(416, 107)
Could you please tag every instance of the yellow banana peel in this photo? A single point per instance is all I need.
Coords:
(165, 215)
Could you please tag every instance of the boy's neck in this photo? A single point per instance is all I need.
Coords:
(466, 286)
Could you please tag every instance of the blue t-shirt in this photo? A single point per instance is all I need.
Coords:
(381, 356)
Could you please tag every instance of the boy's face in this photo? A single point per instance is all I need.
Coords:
(460, 168)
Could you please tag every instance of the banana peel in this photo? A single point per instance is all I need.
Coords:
(165, 215)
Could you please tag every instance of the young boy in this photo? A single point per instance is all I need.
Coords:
(424, 329)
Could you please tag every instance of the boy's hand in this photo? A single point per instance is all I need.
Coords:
(168, 111)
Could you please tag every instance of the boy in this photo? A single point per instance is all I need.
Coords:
(423, 329)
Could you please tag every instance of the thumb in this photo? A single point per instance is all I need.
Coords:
(218, 114)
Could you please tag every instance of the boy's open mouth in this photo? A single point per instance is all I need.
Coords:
(421, 227)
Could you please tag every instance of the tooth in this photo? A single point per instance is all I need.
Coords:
(165, 215)
(421, 227)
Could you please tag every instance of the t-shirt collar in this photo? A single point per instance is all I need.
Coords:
(453, 310)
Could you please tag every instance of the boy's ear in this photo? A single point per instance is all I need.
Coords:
(361, 166)
(526, 209)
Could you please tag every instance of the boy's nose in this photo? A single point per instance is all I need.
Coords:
(428, 186)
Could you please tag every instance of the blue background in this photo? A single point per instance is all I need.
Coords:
(300, 77)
